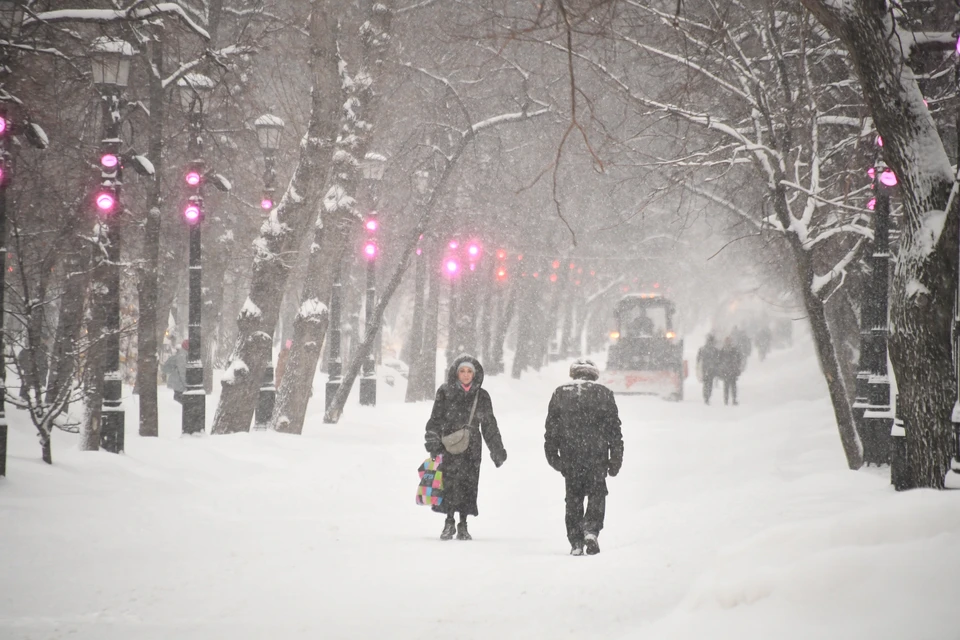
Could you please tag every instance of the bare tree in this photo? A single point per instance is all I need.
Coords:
(925, 276)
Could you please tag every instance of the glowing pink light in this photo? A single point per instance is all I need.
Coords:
(109, 161)
(888, 178)
(266, 204)
(192, 178)
(105, 201)
(192, 213)
(473, 250)
(958, 46)
(879, 141)
(371, 225)
(1, 174)
(370, 250)
(871, 172)
(473, 267)
(453, 244)
(872, 204)
(452, 266)
(419, 251)
(3, 125)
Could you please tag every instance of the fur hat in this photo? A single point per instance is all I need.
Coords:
(468, 365)
(583, 369)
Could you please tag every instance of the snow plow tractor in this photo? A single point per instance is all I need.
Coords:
(646, 356)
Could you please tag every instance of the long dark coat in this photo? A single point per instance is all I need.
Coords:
(451, 409)
(583, 435)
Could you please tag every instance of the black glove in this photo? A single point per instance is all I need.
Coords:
(499, 456)
(613, 468)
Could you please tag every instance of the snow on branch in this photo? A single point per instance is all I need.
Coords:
(137, 12)
(215, 55)
(838, 271)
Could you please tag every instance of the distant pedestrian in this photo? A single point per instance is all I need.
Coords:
(583, 441)
(708, 361)
(175, 369)
(462, 413)
(731, 366)
(764, 338)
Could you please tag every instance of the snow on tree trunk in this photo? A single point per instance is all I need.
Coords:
(338, 221)
(281, 233)
(924, 282)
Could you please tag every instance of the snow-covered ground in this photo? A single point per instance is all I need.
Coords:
(726, 522)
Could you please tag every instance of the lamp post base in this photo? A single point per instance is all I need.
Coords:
(266, 401)
(329, 391)
(368, 391)
(194, 411)
(112, 429)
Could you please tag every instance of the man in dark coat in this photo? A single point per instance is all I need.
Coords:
(583, 442)
(461, 471)
(708, 362)
(730, 368)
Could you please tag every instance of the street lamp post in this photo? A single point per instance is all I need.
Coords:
(334, 359)
(269, 128)
(373, 168)
(872, 403)
(110, 60)
(368, 372)
(194, 87)
(11, 19)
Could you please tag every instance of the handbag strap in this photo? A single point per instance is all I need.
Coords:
(473, 408)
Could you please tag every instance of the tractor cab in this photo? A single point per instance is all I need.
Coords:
(645, 356)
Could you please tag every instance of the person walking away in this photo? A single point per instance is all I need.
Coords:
(731, 365)
(175, 369)
(462, 409)
(708, 359)
(583, 442)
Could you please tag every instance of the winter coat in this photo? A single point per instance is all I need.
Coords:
(451, 409)
(583, 430)
(708, 360)
(175, 368)
(731, 362)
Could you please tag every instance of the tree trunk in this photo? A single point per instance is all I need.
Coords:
(503, 325)
(335, 229)
(281, 233)
(415, 342)
(96, 356)
(427, 377)
(147, 333)
(63, 362)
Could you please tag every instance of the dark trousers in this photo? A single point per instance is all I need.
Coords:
(729, 390)
(707, 388)
(590, 486)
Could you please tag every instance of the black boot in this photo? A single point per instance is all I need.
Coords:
(449, 528)
(591, 544)
(462, 533)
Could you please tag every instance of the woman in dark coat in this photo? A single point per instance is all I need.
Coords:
(461, 471)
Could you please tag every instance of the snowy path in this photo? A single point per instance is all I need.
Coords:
(726, 522)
